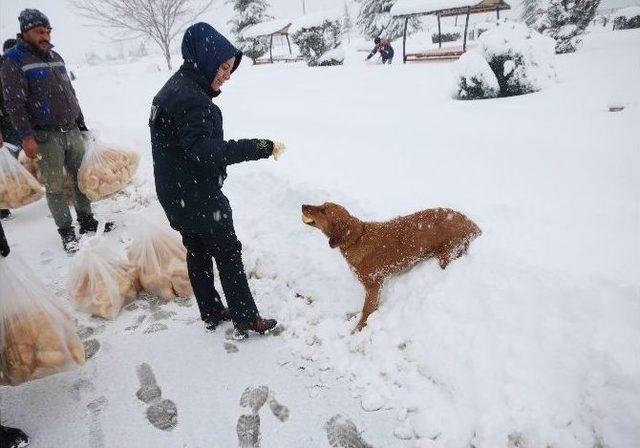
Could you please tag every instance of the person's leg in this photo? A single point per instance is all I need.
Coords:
(73, 160)
(227, 251)
(52, 151)
(200, 267)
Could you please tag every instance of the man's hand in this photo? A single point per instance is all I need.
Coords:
(278, 149)
(30, 147)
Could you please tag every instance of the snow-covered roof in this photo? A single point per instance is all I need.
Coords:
(628, 12)
(611, 5)
(265, 28)
(409, 7)
(316, 19)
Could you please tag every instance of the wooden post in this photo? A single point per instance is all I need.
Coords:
(271, 49)
(404, 41)
(498, 11)
(466, 27)
(289, 43)
(439, 32)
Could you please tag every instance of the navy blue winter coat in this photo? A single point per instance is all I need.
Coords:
(190, 154)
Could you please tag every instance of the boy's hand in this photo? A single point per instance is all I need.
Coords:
(278, 149)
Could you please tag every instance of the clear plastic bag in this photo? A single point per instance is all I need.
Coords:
(17, 186)
(105, 171)
(101, 282)
(161, 260)
(37, 337)
(33, 167)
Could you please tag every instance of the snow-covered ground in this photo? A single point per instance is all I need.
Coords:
(532, 340)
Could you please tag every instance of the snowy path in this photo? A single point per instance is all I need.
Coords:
(531, 340)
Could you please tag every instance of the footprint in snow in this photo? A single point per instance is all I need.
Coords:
(248, 425)
(343, 433)
(162, 414)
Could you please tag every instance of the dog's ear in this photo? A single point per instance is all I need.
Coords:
(339, 233)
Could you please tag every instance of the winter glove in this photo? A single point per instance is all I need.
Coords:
(278, 149)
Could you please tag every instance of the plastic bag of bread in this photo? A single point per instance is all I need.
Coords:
(17, 186)
(101, 281)
(105, 171)
(37, 337)
(33, 167)
(161, 259)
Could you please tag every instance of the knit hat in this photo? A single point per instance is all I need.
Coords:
(32, 18)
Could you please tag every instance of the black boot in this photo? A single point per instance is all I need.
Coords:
(90, 224)
(212, 321)
(12, 438)
(259, 325)
(4, 213)
(69, 240)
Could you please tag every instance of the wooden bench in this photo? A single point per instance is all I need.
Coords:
(267, 60)
(435, 55)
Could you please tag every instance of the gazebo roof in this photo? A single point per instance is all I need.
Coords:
(404, 8)
(279, 26)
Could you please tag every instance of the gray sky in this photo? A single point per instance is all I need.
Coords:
(73, 38)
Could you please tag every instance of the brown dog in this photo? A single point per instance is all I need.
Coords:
(378, 250)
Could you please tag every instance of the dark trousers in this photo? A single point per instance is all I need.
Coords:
(224, 247)
(387, 56)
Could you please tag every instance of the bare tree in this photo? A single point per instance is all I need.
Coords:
(159, 20)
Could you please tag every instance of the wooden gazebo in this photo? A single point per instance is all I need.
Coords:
(271, 29)
(407, 9)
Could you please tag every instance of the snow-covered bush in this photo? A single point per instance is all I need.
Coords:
(566, 20)
(627, 18)
(475, 79)
(317, 40)
(520, 58)
(332, 57)
(510, 59)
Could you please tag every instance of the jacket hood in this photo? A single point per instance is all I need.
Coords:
(207, 49)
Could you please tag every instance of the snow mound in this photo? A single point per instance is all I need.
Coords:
(332, 57)
(475, 79)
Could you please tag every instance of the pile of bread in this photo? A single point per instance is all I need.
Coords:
(106, 171)
(162, 266)
(104, 292)
(17, 186)
(34, 345)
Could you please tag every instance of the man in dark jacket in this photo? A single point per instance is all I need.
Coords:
(384, 47)
(190, 162)
(7, 133)
(45, 113)
(9, 437)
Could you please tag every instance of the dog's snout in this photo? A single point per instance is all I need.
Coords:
(305, 208)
